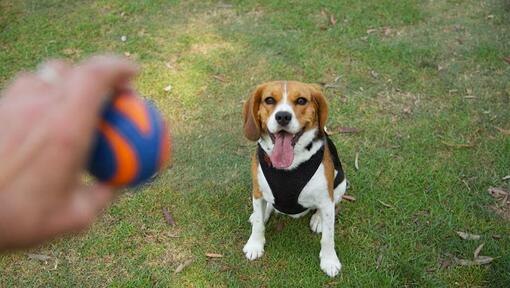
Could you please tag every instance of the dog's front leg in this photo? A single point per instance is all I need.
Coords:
(329, 260)
(254, 248)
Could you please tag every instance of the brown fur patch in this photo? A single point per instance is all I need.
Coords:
(329, 170)
(256, 111)
(254, 177)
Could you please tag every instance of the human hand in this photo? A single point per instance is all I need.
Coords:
(47, 124)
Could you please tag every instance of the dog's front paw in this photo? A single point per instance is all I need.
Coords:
(331, 265)
(253, 249)
(316, 222)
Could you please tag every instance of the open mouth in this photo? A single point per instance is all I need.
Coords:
(283, 150)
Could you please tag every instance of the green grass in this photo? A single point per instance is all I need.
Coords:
(428, 58)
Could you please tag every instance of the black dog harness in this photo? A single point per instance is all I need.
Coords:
(287, 185)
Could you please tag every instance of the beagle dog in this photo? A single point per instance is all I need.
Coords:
(296, 166)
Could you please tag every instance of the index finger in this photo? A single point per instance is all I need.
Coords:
(90, 84)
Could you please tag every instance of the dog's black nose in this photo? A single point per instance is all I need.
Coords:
(283, 118)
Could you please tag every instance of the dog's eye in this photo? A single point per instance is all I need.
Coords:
(269, 100)
(301, 101)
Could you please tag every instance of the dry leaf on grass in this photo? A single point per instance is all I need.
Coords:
(214, 255)
(168, 217)
(168, 88)
(504, 131)
(183, 265)
(219, 77)
(385, 204)
(480, 260)
(356, 162)
(497, 192)
(39, 257)
(467, 236)
(378, 261)
(507, 177)
(348, 198)
(477, 250)
(332, 20)
(455, 145)
(445, 263)
(279, 226)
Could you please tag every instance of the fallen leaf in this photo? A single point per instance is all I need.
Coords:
(168, 88)
(348, 198)
(332, 20)
(507, 177)
(455, 145)
(219, 77)
(371, 30)
(431, 270)
(123, 38)
(378, 261)
(356, 164)
(127, 54)
(407, 110)
(477, 250)
(168, 217)
(385, 204)
(481, 260)
(279, 226)
(467, 236)
(497, 192)
(496, 237)
(214, 255)
(490, 16)
(374, 74)
(39, 257)
(183, 265)
(445, 263)
(323, 27)
(504, 131)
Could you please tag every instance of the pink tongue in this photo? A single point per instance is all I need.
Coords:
(283, 152)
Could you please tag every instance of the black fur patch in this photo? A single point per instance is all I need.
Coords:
(287, 185)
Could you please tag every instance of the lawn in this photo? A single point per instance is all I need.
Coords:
(425, 82)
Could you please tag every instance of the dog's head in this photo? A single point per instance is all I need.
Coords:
(284, 110)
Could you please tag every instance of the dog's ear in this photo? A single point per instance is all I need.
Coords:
(251, 115)
(321, 105)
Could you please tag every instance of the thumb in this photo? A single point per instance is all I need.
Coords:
(84, 205)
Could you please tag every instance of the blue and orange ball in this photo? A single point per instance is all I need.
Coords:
(132, 144)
